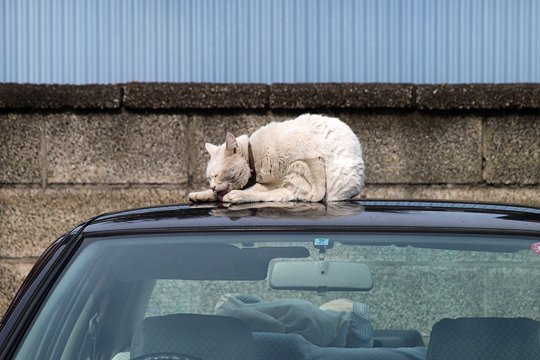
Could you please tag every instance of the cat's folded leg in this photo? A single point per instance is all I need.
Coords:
(247, 196)
(202, 196)
(306, 179)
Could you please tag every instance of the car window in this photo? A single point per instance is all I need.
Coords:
(119, 291)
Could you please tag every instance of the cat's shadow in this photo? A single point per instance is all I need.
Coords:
(288, 210)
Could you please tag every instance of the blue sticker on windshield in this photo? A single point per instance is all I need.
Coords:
(321, 242)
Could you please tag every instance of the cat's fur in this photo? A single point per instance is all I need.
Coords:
(311, 158)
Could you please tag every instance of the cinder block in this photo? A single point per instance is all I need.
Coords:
(418, 148)
(12, 274)
(513, 292)
(44, 96)
(368, 253)
(509, 195)
(478, 96)
(20, 148)
(31, 219)
(117, 149)
(195, 96)
(415, 297)
(340, 96)
(512, 149)
(479, 258)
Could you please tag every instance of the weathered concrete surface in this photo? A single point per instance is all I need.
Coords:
(12, 274)
(512, 149)
(104, 148)
(480, 193)
(277, 96)
(460, 289)
(419, 148)
(511, 282)
(478, 96)
(31, 219)
(340, 95)
(27, 96)
(195, 96)
(20, 148)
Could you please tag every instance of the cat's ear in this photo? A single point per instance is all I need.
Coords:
(212, 149)
(230, 144)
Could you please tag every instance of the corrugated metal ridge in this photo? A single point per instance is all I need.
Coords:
(269, 41)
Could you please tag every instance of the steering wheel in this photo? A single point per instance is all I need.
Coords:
(166, 356)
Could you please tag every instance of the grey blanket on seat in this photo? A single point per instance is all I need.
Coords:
(296, 316)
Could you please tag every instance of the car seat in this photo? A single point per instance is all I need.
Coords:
(485, 338)
(397, 338)
(273, 346)
(192, 337)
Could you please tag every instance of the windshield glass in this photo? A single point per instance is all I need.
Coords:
(135, 297)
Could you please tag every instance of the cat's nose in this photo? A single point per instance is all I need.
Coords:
(213, 187)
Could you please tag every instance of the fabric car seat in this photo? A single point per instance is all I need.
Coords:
(199, 337)
(274, 346)
(485, 338)
(397, 338)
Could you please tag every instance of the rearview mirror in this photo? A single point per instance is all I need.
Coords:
(320, 276)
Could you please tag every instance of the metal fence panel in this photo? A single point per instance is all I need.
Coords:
(269, 41)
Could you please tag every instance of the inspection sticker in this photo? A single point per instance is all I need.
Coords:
(536, 248)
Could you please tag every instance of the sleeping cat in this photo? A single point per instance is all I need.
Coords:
(311, 158)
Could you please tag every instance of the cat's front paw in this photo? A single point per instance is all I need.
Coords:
(202, 196)
(236, 197)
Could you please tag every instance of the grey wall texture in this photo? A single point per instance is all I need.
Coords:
(69, 152)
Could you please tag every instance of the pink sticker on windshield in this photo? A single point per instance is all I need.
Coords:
(536, 248)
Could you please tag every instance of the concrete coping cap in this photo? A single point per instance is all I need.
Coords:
(208, 96)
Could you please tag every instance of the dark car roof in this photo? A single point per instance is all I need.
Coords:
(363, 215)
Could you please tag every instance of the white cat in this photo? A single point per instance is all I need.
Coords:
(311, 158)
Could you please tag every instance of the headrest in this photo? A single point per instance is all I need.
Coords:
(204, 337)
(485, 338)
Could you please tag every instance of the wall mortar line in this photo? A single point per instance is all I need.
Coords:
(484, 148)
(189, 150)
(43, 155)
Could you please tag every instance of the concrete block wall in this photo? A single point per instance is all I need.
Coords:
(71, 152)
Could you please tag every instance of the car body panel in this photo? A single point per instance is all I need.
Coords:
(363, 215)
(367, 215)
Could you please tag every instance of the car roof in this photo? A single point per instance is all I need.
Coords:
(360, 215)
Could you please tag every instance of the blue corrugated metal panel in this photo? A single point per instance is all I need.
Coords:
(267, 41)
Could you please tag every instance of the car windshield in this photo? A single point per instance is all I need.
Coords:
(253, 295)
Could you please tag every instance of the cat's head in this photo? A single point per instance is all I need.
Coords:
(228, 168)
